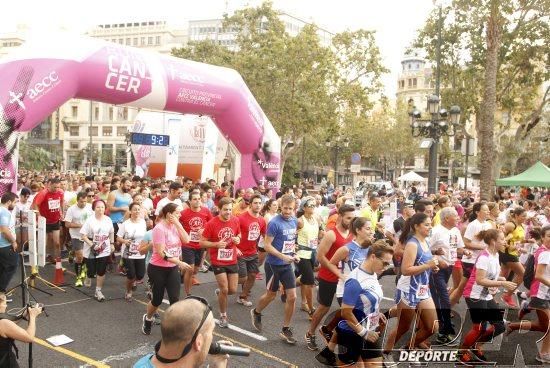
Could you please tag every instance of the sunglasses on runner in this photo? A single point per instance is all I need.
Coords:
(187, 347)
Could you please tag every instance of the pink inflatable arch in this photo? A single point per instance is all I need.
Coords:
(44, 74)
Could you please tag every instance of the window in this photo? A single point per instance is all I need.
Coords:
(128, 41)
(111, 113)
(74, 111)
(125, 113)
(94, 131)
(135, 41)
(74, 131)
(121, 131)
(121, 41)
(107, 131)
(149, 40)
(157, 40)
(414, 82)
(96, 113)
(75, 145)
(410, 82)
(142, 41)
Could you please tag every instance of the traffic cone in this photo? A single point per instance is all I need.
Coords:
(58, 279)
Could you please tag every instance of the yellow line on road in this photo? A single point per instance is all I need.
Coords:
(71, 353)
(258, 351)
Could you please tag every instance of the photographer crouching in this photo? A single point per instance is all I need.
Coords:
(187, 331)
(11, 332)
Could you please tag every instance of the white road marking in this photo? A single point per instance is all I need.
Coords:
(386, 298)
(235, 328)
(245, 332)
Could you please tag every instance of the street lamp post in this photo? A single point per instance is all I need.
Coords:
(90, 150)
(336, 147)
(437, 126)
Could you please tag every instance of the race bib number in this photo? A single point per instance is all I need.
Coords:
(453, 254)
(100, 242)
(134, 248)
(288, 247)
(422, 291)
(372, 321)
(194, 236)
(54, 204)
(225, 254)
(313, 243)
(173, 251)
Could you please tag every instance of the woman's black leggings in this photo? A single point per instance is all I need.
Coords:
(96, 266)
(164, 278)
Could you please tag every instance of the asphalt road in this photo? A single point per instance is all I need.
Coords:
(109, 333)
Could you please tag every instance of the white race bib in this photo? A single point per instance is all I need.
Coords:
(288, 247)
(194, 236)
(134, 248)
(372, 321)
(53, 204)
(173, 251)
(422, 291)
(225, 254)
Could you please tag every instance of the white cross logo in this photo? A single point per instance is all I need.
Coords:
(262, 181)
(17, 98)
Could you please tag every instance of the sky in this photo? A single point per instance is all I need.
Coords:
(395, 21)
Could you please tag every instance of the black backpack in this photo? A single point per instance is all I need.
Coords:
(529, 274)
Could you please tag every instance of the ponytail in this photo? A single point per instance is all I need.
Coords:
(408, 228)
(487, 235)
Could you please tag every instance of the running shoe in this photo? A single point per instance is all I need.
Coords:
(88, 282)
(509, 301)
(204, 269)
(99, 296)
(121, 270)
(146, 326)
(304, 308)
(222, 322)
(447, 340)
(310, 342)
(326, 357)
(156, 318)
(245, 302)
(325, 333)
(543, 358)
(287, 335)
(78, 282)
(128, 297)
(479, 354)
(256, 319)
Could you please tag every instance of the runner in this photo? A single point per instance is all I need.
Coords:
(359, 333)
(129, 235)
(118, 202)
(221, 235)
(328, 280)
(413, 293)
(308, 239)
(446, 242)
(173, 196)
(515, 236)
(76, 215)
(280, 245)
(540, 297)
(478, 222)
(97, 233)
(193, 220)
(269, 211)
(484, 281)
(252, 227)
(49, 204)
(165, 264)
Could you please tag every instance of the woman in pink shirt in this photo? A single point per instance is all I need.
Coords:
(165, 265)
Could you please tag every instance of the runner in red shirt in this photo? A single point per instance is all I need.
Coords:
(193, 219)
(49, 203)
(252, 226)
(331, 242)
(221, 235)
(221, 193)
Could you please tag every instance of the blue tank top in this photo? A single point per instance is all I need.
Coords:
(121, 200)
(417, 284)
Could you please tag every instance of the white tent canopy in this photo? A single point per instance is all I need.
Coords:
(411, 176)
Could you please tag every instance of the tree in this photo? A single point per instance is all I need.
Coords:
(305, 88)
(504, 45)
(32, 157)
